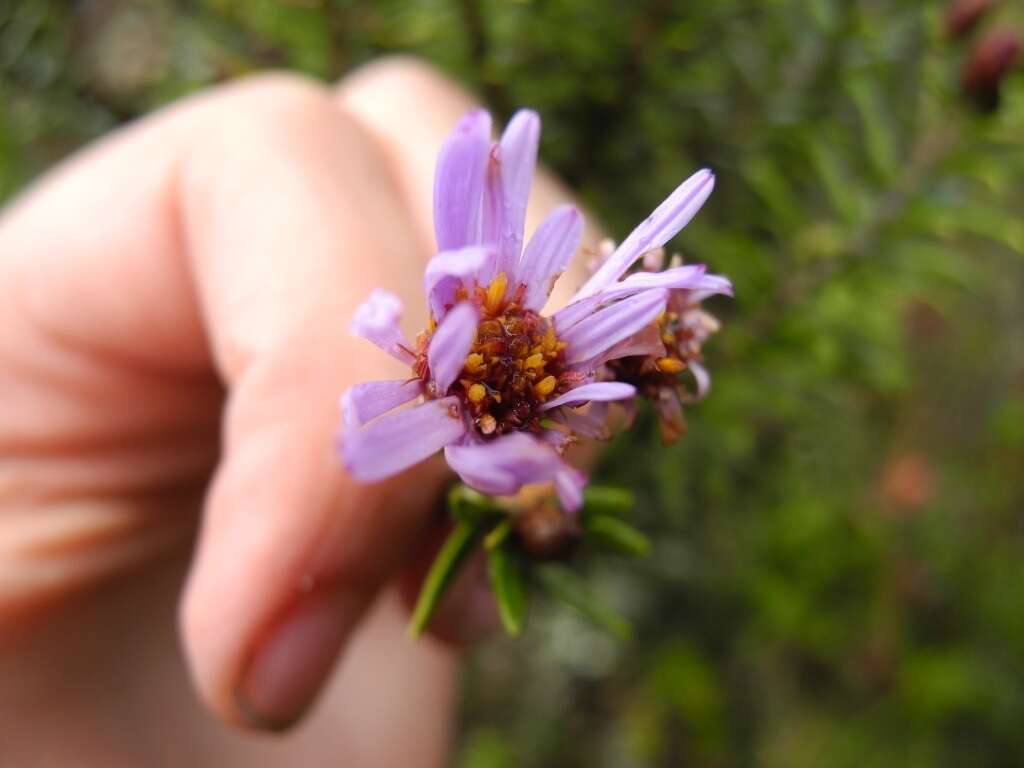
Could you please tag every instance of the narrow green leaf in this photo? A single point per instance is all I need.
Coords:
(879, 137)
(442, 572)
(471, 506)
(564, 584)
(508, 582)
(605, 500)
(499, 533)
(617, 534)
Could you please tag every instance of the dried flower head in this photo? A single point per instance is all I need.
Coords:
(674, 344)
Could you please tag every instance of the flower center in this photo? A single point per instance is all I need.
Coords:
(515, 365)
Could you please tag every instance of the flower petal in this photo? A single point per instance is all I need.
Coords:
(646, 341)
(376, 320)
(656, 230)
(710, 285)
(492, 207)
(591, 421)
(600, 391)
(450, 344)
(517, 159)
(700, 373)
(572, 314)
(459, 181)
(366, 401)
(608, 326)
(569, 485)
(690, 278)
(450, 270)
(557, 439)
(397, 440)
(679, 278)
(548, 253)
(505, 465)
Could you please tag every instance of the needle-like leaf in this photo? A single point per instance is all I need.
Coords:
(443, 570)
(509, 584)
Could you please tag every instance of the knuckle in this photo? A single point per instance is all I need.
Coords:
(276, 104)
(400, 74)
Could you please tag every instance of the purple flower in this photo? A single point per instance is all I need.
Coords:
(496, 384)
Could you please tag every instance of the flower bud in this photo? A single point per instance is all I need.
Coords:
(986, 68)
(962, 16)
(547, 531)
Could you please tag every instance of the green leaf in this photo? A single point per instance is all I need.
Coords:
(562, 583)
(605, 500)
(471, 506)
(617, 534)
(442, 573)
(879, 139)
(509, 585)
(498, 534)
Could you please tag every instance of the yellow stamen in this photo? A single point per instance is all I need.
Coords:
(496, 293)
(670, 365)
(476, 393)
(534, 361)
(550, 340)
(474, 362)
(545, 386)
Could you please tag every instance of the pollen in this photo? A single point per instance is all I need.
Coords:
(545, 386)
(475, 362)
(670, 365)
(476, 393)
(515, 365)
(495, 293)
(534, 361)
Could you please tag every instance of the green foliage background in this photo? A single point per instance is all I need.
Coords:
(839, 542)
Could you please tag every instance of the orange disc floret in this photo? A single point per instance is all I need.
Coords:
(516, 363)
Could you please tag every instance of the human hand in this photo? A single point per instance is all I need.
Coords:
(175, 303)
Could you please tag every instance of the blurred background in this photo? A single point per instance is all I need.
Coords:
(839, 541)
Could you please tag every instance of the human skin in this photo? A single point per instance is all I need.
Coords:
(174, 304)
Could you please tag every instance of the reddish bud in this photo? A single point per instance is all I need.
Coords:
(989, 63)
(962, 16)
(907, 483)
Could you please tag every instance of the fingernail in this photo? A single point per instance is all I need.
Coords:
(291, 664)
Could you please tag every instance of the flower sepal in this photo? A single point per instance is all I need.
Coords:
(530, 544)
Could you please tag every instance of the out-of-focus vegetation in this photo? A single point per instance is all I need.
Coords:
(839, 557)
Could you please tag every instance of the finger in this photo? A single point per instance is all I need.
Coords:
(252, 223)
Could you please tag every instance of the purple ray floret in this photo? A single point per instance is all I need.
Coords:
(502, 389)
